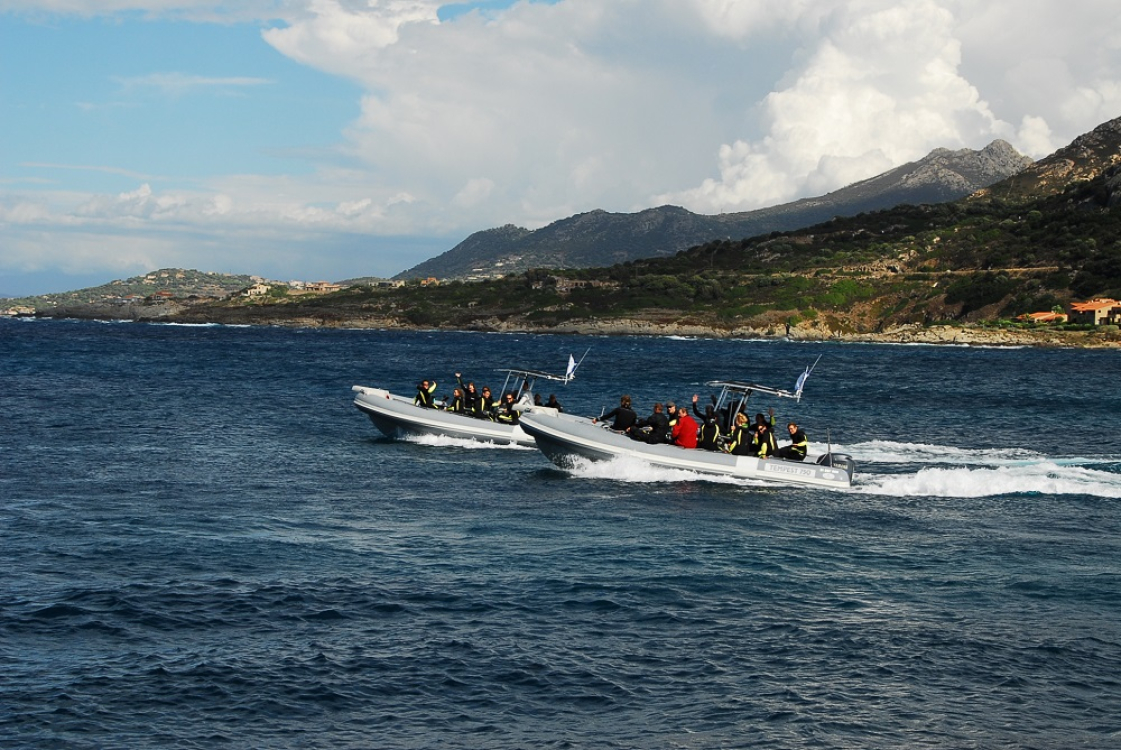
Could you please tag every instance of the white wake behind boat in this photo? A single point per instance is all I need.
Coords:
(397, 416)
(567, 440)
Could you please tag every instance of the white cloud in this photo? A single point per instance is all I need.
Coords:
(880, 86)
(474, 192)
(534, 112)
(345, 38)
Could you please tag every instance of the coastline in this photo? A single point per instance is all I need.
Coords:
(913, 333)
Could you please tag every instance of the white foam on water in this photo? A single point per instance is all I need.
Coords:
(887, 451)
(1044, 477)
(444, 441)
(948, 471)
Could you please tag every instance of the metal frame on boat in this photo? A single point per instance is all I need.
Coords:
(397, 416)
(567, 439)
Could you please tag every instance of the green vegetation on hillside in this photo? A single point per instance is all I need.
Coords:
(966, 261)
(178, 282)
(975, 260)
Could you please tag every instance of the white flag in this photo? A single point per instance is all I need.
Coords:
(801, 381)
(571, 368)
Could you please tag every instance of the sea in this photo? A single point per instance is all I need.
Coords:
(204, 544)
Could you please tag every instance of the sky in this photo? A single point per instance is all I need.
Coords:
(332, 139)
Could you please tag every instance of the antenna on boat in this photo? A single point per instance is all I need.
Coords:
(828, 443)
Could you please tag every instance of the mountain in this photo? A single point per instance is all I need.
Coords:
(927, 272)
(900, 274)
(1087, 157)
(599, 238)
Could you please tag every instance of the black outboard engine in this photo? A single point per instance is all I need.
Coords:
(841, 461)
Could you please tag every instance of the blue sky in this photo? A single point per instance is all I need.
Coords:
(327, 139)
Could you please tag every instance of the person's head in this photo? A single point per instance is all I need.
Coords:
(625, 401)
(510, 397)
(760, 419)
(424, 384)
(741, 419)
(486, 391)
(792, 427)
(471, 387)
(710, 413)
(457, 392)
(657, 408)
(671, 407)
(761, 428)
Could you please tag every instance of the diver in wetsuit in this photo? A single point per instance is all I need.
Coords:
(799, 445)
(653, 429)
(623, 415)
(740, 442)
(425, 394)
(470, 396)
(708, 437)
(487, 405)
(508, 412)
(763, 444)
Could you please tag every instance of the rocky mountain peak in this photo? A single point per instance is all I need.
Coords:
(1087, 157)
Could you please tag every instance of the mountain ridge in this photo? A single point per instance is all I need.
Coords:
(1085, 158)
(598, 238)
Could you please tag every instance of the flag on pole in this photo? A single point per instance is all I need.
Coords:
(801, 382)
(802, 379)
(571, 368)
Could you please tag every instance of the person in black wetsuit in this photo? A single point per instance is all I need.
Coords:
(653, 429)
(470, 396)
(697, 410)
(799, 444)
(708, 437)
(426, 394)
(623, 415)
(552, 403)
(740, 442)
(763, 444)
(487, 404)
(508, 412)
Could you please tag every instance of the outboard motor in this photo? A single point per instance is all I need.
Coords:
(841, 461)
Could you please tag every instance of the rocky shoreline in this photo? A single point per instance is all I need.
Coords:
(942, 334)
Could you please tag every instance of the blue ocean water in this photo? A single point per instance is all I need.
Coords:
(205, 544)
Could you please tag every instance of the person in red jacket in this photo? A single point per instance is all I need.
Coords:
(684, 430)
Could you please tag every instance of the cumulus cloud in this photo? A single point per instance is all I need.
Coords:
(880, 85)
(718, 105)
(346, 37)
(532, 112)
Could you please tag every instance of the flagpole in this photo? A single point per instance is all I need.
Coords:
(573, 364)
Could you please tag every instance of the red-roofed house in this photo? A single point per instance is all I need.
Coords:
(1096, 311)
(1044, 317)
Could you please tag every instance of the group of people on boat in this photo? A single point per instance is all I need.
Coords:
(729, 431)
(481, 404)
